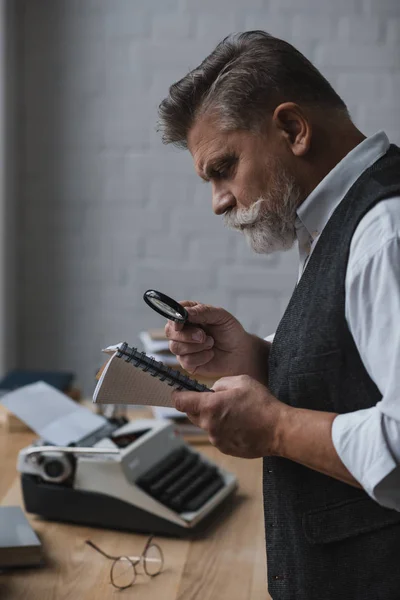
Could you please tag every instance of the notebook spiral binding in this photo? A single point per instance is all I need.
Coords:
(157, 369)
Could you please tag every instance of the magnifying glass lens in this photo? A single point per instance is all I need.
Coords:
(165, 306)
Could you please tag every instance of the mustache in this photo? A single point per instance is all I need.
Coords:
(245, 217)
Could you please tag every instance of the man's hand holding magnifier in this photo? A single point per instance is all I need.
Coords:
(240, 416)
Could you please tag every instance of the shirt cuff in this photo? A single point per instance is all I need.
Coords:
(360, 441)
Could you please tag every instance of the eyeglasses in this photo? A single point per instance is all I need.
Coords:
(123, 569)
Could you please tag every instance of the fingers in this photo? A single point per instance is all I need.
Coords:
(187, 335)
(191, 362)
(173, 325)
(182, 348)
(201, 409)
(205, 314)
(229, 383)
(188, 402)
(190, 344)
(189, 303)
(201, 314)
(193, 403)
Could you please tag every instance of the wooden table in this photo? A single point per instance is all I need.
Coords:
(228, 563)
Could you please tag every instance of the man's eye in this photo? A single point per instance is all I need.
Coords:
(220, 173)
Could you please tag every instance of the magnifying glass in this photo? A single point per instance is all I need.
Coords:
(166, 306)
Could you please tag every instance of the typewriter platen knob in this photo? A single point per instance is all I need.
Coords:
(55, 466)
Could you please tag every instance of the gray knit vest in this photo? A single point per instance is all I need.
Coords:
(325, 539)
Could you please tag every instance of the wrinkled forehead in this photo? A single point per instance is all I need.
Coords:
(205, 136)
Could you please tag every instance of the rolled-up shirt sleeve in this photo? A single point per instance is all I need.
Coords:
(364, 440)
(368, 441)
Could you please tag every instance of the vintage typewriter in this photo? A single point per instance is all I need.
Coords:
(137, 475)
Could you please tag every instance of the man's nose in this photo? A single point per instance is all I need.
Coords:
(222, 201)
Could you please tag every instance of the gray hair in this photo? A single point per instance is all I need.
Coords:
(247, 75)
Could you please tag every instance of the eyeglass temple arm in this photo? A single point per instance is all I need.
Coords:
(134, 559)
(151, 537)
(89, 543)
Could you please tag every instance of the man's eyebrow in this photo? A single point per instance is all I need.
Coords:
(225, 160)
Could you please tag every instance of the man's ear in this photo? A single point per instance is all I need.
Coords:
(292, 123)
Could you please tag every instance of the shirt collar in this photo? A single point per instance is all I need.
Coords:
(314, 213)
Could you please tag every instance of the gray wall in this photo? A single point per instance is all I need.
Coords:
(105, 211)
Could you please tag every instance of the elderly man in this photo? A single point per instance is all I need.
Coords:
(321, 403)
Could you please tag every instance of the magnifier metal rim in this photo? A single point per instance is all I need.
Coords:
(149, 294)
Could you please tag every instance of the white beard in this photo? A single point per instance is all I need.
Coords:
(268, 231)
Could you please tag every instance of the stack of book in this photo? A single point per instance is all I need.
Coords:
(19, 544)
(156, 344)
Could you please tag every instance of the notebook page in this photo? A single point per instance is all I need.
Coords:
(122, 383)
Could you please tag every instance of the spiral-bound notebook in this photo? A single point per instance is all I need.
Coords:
(133, 377)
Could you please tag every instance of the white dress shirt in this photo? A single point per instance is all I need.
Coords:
(367, 441)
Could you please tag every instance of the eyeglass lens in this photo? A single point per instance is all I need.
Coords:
(153, 560)
(123, 573)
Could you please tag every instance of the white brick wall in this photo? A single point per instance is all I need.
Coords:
(105, 210)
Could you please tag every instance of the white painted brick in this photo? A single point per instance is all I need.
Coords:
(217, 297)
(164, 246)
(356, 29)
(175, 280)
(167, 161)
(207, 26)
(125, 108)
(220, 7)
(360, 85)
(357, 56)
(117, 25)
(316, 6)
(129, 8)
(203, 195)
(375, 119)
(315, 27)
(288, 264)
(160, 83)
(130, 219)
(243, 254)
(393, 31)
(394, 86)
(210, 249)
(184, 54)
(123, 183)
(258, 313)
(168, 191)
(382, 7)
(255, 279)
(123, 71)
(193, 220)
(161, 80)
(171, 26)
(278, 25)
(127, 134)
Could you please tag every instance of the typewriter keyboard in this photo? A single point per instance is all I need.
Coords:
(182, 481)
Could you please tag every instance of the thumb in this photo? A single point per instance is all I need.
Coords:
(205, 314)
(225, 383)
